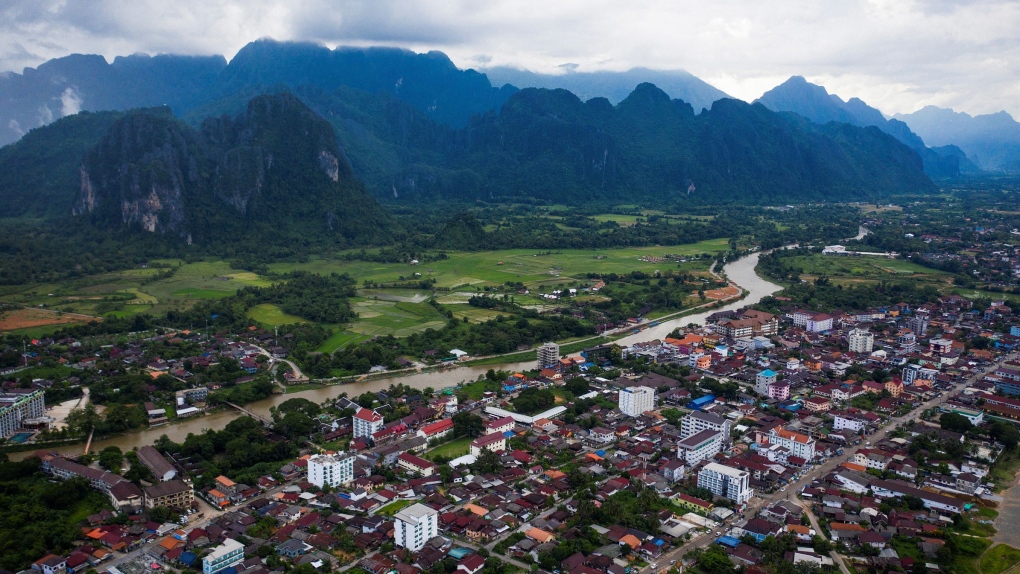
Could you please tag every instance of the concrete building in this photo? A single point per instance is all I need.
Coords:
(699, 447)
(414, 526)
(918, 324)
(861, 341)
(156, 463)
(698, 421)
(18, 406)
(228, 554)
(416, 464)
(330, 470)
(799, 444)
(367, 422)
(170, 494)
(912, 373)
(726, 482)
(634, 401)
(548, 355)
(493, 441)
(762, 381)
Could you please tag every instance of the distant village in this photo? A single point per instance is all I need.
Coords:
(844, 433)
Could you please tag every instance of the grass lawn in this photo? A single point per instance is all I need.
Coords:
(453, 449)
(999, 558)
(1004, 470)
(339, 339)
(376, 317)
(529, 266)
(394, 507)
(857, 270)
(269, 314)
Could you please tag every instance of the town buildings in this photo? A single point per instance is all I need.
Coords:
(548, 355)
(699, 446)
(697, 421)
(636, 400)
(414, 526)
(228, 554)
(861, 341)
(727, 482)
(367, 422)
(330, 470)
(20, 407)
(170, 494)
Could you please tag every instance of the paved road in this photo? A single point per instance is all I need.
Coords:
(809, 476)
(818, 529)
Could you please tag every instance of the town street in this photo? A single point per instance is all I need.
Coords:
(790, 490)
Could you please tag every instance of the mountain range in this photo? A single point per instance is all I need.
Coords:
(614, 86)
(992, 140)
(274, 169)
(816, 104)
(298, 140)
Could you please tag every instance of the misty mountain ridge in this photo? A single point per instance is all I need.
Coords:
(271, 163)
(815, 103)
(614, 86)
(274, 169)
(63, 86)
(993, 140)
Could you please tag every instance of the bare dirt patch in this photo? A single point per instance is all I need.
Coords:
(26, 318)
(723, 293)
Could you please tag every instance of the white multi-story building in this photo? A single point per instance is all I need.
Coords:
(414, 526)
(762, 381)
(548, 355)
(634, 401)
(841, 421)
(912, 373)
(17, 407)
(726, 482)
(224, 556)
(799, 444)
(698, 421)
(700, 446)
(330, 470)
(367, 422)
(861, 341)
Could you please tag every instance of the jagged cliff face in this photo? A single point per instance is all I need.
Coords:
(276, 164)
(140, 173)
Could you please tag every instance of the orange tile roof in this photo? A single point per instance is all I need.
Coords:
(543, 536)
(794, 436)
(224, 480)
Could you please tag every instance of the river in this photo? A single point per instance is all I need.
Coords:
(740, 272)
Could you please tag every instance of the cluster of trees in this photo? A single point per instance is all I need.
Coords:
(533, 400)
(243, 450)
(40, 516)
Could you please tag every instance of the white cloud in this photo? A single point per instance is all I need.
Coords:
(70, 102)
(897, 55)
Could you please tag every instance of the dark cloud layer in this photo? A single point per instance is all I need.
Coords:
(898, 55)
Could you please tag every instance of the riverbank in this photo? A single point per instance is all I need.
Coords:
(740, 273)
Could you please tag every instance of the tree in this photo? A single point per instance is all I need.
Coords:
(487, 462)
(111, 458)
(468, 424)
(714, 560)
(955, 422)
(1006, 433)
(578, 386)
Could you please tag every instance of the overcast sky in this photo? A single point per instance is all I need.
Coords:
(897, 55)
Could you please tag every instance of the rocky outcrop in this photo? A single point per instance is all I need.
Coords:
(276, 164)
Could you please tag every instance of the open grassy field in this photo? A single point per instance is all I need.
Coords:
(393, 318)
(847, 270)
(271, 315)
(453, 449)
(467, 271)
(131, 291)
(339, 339)
(999, 558)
